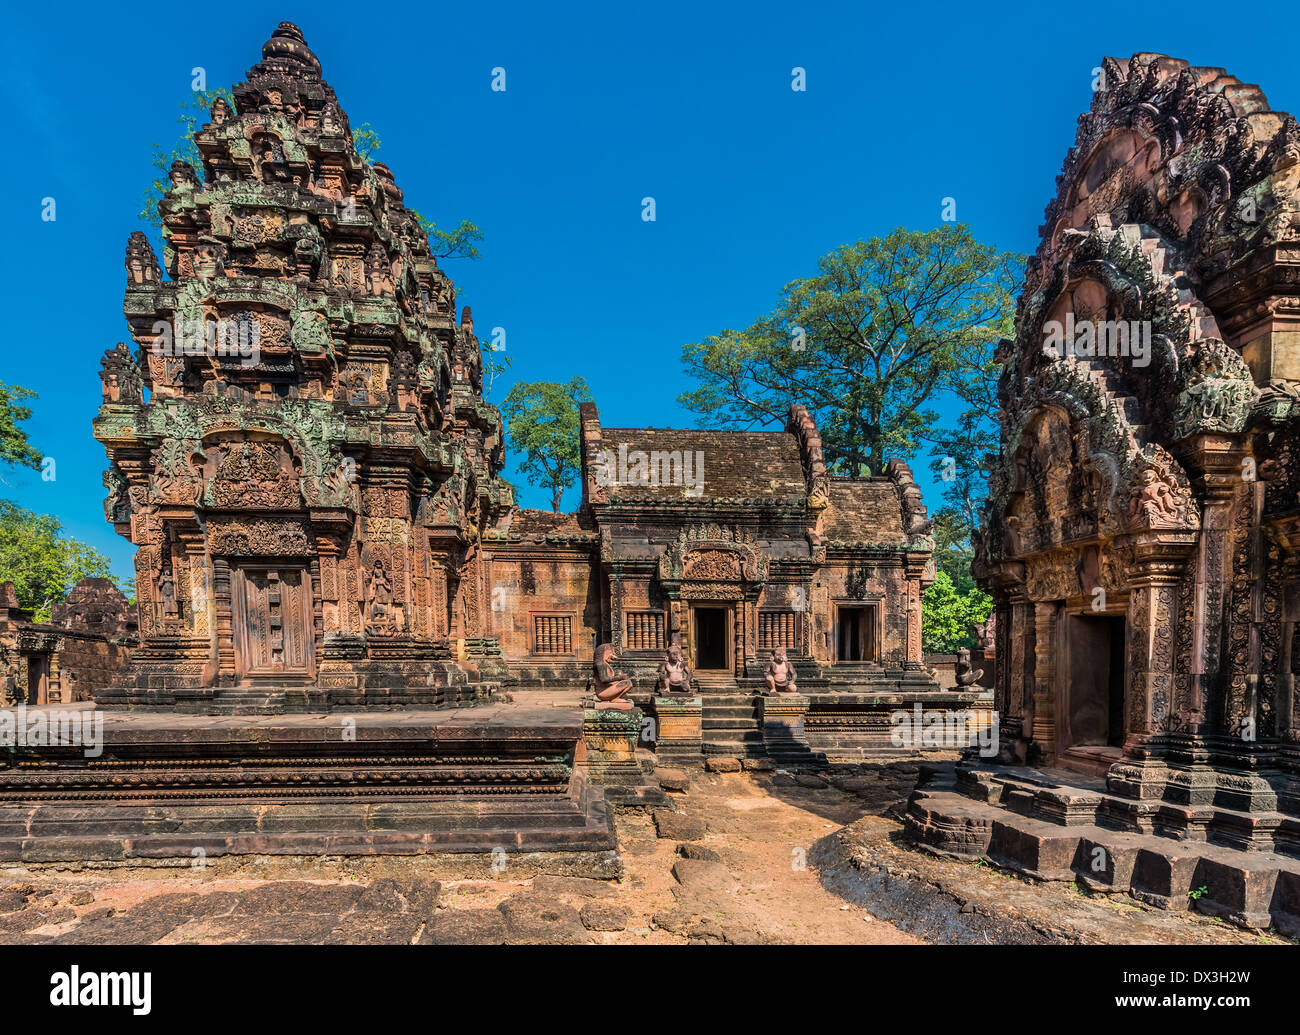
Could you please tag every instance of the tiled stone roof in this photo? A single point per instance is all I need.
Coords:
(735, 464)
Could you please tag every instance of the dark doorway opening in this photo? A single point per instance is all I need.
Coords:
(1096, 687)
(854, 634)
(710, 638)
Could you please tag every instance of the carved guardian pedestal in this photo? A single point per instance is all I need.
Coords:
(608, 749)
(680, 737)
(782, 716)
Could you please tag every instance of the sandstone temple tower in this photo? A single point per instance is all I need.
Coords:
(1143, 536)
(299, 446)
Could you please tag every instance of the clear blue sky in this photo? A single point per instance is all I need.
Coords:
(605, 104)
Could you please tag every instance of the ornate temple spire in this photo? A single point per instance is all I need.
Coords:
(286, 51)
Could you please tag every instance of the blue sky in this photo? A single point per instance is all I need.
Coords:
(605, 104)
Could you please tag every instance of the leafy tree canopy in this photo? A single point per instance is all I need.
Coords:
(947, 616)
(868, 344)
(41, 562)
(15, 448)
(542, 424)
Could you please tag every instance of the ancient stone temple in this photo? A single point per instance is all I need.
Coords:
(334, 582)
(1143, 519)
(302, 455)
(299, 446)
(80, 650)
(730, 544)
(1143, 510)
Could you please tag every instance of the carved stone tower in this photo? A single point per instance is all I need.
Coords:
(298, 443)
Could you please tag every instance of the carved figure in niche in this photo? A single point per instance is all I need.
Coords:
(1150, 500)
(176, 480)
(380, 619)
(780, 675)
(965, 674)
(674, 672)
(167, 596)
(611, 686)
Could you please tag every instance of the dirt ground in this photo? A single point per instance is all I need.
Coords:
(746, 858)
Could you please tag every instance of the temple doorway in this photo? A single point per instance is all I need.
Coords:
(38, 679)
(1095, 673)
(271, 613)
(711, 638)
(854, 633)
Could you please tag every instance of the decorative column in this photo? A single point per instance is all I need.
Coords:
(221, 591)
(1044, 721)
(1159, 561)
(1218, 458)
(913, 659)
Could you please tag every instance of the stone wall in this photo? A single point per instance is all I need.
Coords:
(83, 647)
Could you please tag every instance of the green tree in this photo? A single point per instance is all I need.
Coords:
(952, 550)
(196, 112)
(15, 448)
(460, 242)
(41, 562)
(542, 423)
(868, 344)
(366, 141)
(947, 616)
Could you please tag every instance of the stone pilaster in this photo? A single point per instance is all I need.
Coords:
(1218, 459)
(1045, 678)
(1158, 566)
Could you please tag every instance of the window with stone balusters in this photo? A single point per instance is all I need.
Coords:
(552, 634)
(778, 629)
(645, 630)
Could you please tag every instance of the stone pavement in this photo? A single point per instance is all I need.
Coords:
(744, 858)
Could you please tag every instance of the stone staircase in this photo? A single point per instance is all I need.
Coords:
(729, 725)
(248, 700)
(1238, 865)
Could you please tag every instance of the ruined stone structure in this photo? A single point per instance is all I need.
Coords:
(299, 447)
(302, 455)
(301, 452)
(729, 544)
(79, 650)
(1143, 532)
(763, 550)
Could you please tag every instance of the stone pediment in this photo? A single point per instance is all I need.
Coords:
(713, 554)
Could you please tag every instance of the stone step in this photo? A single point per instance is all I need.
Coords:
(733, 737)
(737, 722)
(1253, 889)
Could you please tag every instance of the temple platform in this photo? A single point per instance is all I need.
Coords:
(1056, 825)
(476, 786)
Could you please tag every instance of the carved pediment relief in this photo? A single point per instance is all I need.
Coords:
(251, 473)
(177, 478)
(713, 553)
(712, 565)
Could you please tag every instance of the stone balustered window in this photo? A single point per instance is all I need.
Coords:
(778, 629)
(552, 634)
(645, 630)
